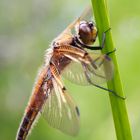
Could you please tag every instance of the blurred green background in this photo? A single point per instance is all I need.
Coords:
(26, 30)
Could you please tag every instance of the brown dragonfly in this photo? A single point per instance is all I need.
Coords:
(67, 56)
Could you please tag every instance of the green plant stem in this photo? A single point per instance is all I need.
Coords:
(121, 122)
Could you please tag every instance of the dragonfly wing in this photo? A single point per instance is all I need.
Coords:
(105, 67)
(102, 73)
(74, 72)
(61, 112)
(86, 13)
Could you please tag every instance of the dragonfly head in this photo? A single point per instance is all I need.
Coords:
(87, 32)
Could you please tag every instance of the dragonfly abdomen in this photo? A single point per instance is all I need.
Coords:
(38, 97)
(31, 114)
(27, 123)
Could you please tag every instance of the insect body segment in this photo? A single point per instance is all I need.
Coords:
(66, 57)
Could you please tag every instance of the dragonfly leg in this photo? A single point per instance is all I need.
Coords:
(103, 88)
(103, 41)
(94, 47)
(104, 37)
(111, 52)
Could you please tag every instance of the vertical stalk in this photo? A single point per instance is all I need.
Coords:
(118, 106)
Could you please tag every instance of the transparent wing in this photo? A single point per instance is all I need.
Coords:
(86, 13)
(61, 112)
(75, 72)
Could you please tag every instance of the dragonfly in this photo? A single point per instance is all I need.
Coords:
(67, 56)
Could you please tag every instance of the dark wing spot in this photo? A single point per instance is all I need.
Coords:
(64, 88)
(77, 111)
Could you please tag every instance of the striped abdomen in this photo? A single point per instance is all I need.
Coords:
(35, 105)
(32, 111)
(26, 124)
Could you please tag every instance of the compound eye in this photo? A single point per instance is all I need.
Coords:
(84, 29)
(91, 25)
